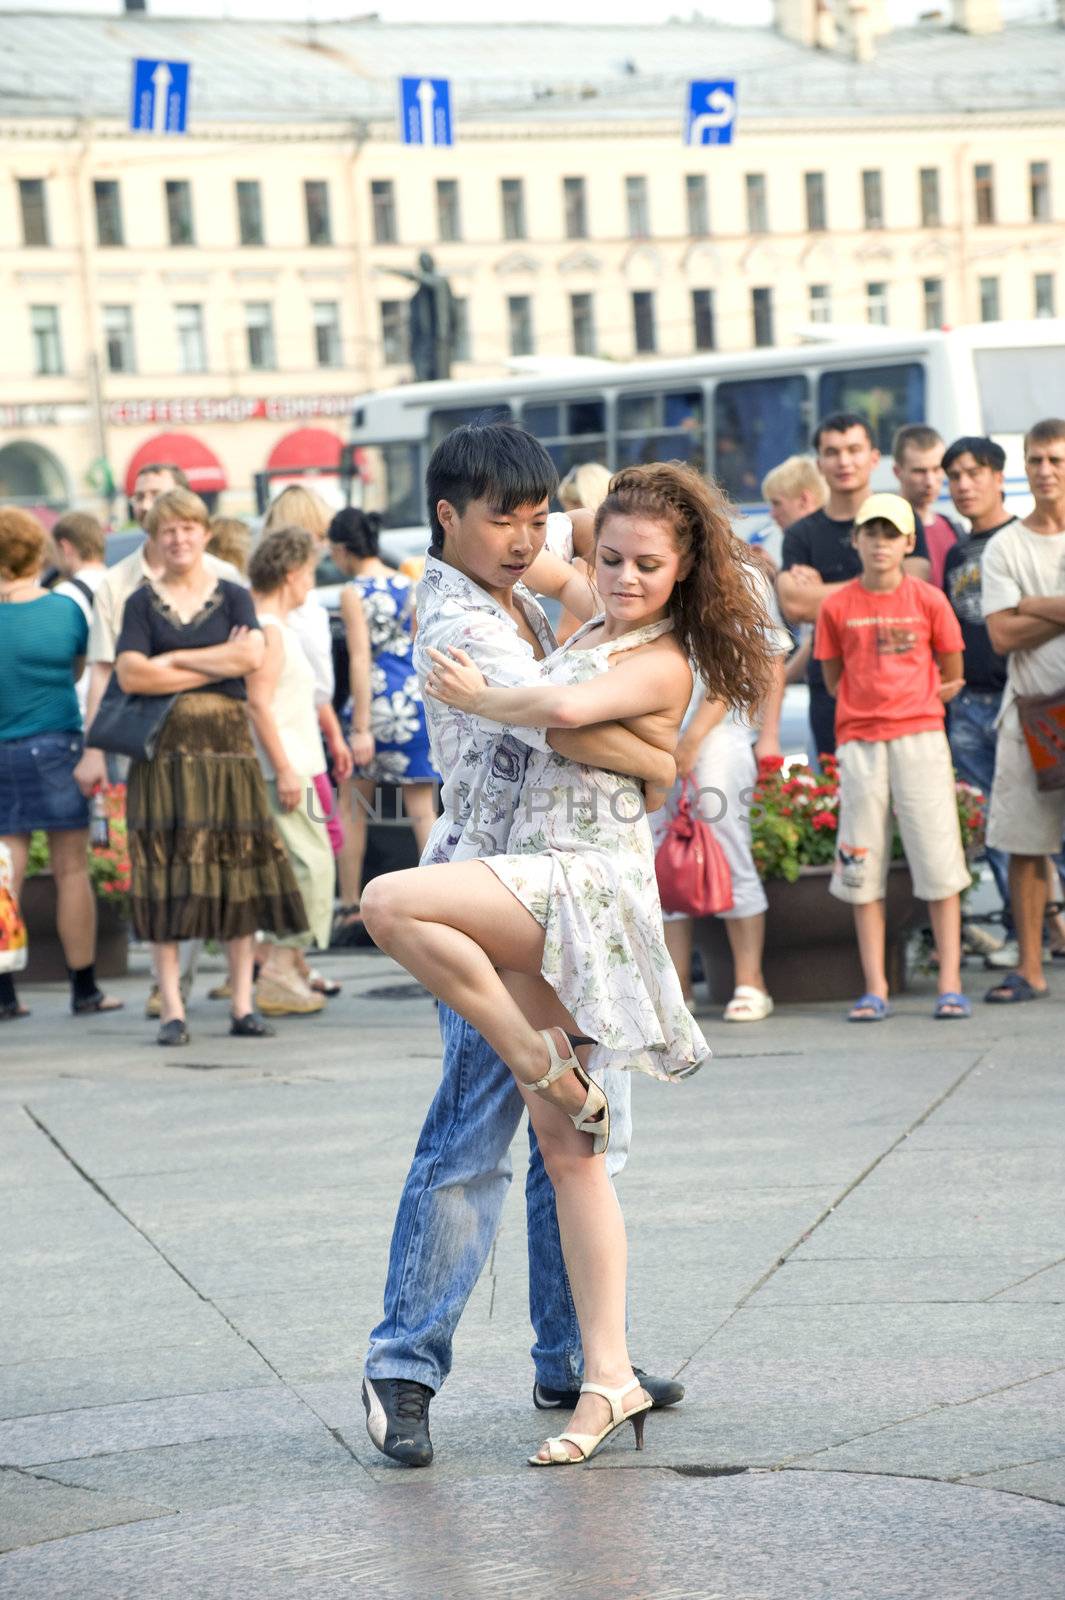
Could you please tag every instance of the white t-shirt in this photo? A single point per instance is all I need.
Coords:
(310, 623)
(1018, 562)
(776, 637)
(559, 536)
(91, 577)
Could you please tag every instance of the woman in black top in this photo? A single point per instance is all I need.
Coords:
(207, 861)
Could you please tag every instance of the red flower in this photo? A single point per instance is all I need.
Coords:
(768, 764)
(824, 819)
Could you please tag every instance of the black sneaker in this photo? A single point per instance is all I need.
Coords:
(397, 1419)
(663, 1391)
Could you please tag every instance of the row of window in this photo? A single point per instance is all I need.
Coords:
(191, 337)
(521, 335)
(177, 194)
(319, 228)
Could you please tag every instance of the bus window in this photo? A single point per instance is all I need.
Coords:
(391, 483)
(572, 431)
(757, 423)
(441, 423)
(661, 427)
(1017, 386)
(888, 397)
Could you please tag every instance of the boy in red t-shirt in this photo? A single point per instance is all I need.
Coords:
(891, 649)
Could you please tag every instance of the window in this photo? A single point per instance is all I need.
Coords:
(698, 201)
(820, 302)
(582, 321)
(108, 212)
(643, 322)
(886, 396)
(929, 191)
(446, 420)
(873, 198)
(571, 431)
(192, 342)
(316, 206)
(327, 333)
(757, 422)
(179, 211)
(703, 322)
(935, 311)
(757, 203)
(762, 314)
(984, 186)
(31, 197)
(383, 206)
(989, 300)
(876, 304)
(816, 211)
(637, 208)
(394, 341)
(575, 203)
(118, 338)
(1043, 285)
(661, 426)
(249, 211)
(47, 349)
(448, 215)
(520, 324)
(512, 196)
(259, 324)
(461, 339)
(1038, 190)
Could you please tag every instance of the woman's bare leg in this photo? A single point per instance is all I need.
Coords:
(452, 927)
(240, 954)
(167, 963)
(419, 804)
(75, 901)
(590, 1225)
(356, 797)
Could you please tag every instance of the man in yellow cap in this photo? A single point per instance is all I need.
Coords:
(890, 648)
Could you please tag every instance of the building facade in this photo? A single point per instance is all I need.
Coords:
(237, 286)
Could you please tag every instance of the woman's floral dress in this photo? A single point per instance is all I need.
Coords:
(580, 858)
(397, 716)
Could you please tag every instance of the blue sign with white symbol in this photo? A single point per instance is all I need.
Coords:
(711, 113)
(425, 111)
(160, 101)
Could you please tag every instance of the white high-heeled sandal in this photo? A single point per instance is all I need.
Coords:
(594, 1115)
(589, 1443)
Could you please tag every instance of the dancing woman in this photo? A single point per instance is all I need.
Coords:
(555, 951)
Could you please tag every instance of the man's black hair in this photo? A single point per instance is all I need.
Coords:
(842, 422)
(985, 452)
(494, 461)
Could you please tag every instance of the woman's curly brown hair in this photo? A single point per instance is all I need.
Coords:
(718, 619)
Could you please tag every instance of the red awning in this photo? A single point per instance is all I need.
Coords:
(306, 447)
(197, 461)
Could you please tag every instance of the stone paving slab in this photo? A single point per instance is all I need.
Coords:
(849, 1248)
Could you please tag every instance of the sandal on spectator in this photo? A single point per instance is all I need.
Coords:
(250, 1027)
(327, 986)
(13, 1012)
(874, 1004)
(952, 1007)
(748, 1004)
(174, 1032)
(91, 1004)
(1012, 990)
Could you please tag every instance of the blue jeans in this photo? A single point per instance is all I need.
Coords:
(973, 739)
(449, 1213)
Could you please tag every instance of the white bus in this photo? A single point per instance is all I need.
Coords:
(735, 416)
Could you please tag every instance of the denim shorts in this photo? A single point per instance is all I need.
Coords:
(37, 788)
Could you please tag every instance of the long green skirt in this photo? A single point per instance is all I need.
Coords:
(206, 859)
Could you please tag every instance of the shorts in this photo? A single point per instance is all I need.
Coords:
(724, 777)
(1022, 820)
(37, 788)
(914, 775)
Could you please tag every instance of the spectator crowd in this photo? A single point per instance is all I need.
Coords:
(928, 624)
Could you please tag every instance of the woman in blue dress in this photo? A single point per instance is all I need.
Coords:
(388, 736)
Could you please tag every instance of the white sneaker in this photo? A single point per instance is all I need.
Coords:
(1009, 956)
(976, 941)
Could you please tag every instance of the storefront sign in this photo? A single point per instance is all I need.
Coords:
(137, 413)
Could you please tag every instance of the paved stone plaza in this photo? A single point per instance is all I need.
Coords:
(849, 1243)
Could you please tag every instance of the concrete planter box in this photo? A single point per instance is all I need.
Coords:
(47, 963)
(810, 949)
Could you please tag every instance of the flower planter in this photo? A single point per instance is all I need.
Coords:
(810, 949)
(46, 963)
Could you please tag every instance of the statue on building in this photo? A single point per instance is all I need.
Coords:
(432, 319)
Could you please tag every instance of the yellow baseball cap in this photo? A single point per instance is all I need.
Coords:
(889, 508)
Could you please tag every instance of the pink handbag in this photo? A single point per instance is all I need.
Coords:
(691, 867)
